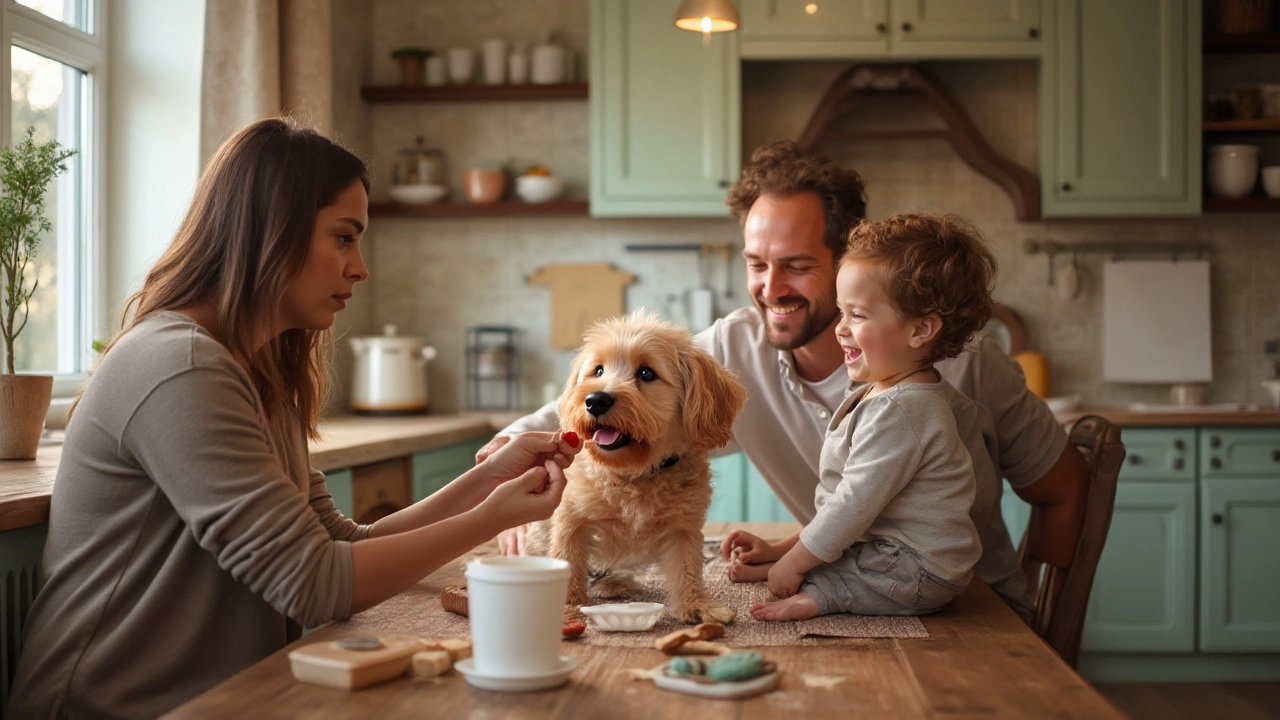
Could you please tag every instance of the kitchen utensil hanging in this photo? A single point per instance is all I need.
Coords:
(1067, 279)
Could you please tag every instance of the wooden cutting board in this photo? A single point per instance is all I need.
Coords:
(582, 294)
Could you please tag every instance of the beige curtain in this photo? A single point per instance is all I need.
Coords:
(263, 58)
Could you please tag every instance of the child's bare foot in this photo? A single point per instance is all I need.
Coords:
(742, 572)
(797, 607)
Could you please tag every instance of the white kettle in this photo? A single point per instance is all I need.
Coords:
(391, 377)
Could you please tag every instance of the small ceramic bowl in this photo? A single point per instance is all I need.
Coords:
(539, 188)
(1063, 404)
(411, 194)
(624, 617)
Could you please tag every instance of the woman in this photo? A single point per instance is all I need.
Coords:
(188, 536)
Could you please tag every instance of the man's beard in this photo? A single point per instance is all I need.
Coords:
(818, 317)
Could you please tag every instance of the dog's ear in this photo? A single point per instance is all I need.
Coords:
(712, 399)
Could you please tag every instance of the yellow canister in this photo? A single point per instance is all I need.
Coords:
(1036, 368)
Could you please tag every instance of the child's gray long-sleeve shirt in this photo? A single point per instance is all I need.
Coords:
(184, 529)
(902, 465)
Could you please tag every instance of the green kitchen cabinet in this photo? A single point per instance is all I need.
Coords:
(1120, 108)
(858, 29)
(435, 468)
(341, 488)
(665, 113)
(741, 494)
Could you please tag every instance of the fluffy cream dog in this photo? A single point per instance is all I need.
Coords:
(651, 405)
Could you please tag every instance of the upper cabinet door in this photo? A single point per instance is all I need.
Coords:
(968, 29)
(814, 29)
(1120, 110)
(665, 113)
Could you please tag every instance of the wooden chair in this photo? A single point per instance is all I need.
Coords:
(1062, 593)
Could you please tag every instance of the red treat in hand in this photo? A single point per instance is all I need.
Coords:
(571, 437)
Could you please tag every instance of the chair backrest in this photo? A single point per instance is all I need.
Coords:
(1062, 593)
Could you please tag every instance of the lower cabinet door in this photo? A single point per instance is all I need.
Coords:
(1143, 597)
(762, 504)
(728, 499)
(340, 485)
(435, 468)
(1239, 571)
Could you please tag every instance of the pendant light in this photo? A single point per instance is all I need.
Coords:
(707, 16)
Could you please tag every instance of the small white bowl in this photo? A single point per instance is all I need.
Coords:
(1063, 404)
(624, 617)
(416, 194)
(539, 188)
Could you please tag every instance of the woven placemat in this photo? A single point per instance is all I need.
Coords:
(417, 611)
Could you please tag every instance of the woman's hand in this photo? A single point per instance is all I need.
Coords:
(750, 549)
(532, 496)
(784, 582)
(530, 450)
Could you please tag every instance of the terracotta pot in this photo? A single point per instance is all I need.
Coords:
(24, 400)
(484, 186)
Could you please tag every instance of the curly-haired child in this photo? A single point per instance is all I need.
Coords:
(892, 534)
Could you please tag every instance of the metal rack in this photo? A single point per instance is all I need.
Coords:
(493, 368)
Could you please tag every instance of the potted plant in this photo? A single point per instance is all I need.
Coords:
(26, 169)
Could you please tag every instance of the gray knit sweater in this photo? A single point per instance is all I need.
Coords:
(188, 535)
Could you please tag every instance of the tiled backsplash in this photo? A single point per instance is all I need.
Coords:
(434, 278)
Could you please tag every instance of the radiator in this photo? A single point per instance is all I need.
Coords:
(20, 574)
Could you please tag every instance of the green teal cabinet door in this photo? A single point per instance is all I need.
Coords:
(1158, 454)
(435, 468)
(728, 495)
(1144, 591)
(762, 504)
(806, 30)
(339, 484)
(969, 29)
(1240, 452)
(1120, 108)
(20, 561)
(1239, 572)
(665, 113)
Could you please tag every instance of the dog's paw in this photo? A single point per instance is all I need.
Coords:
(704, 611)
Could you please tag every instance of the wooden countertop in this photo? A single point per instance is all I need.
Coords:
(346, 441)
(1125, 417)
(979, 660)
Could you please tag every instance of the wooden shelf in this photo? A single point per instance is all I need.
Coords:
(1265, 125)
(511, 208)
(1264, 42)
(473, 93)
(1252, 203)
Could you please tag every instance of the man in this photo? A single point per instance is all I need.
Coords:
(796, 212)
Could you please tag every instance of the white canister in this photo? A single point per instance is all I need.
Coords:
(548, 64)
(1233, 170)
(390, 373)
(516, 606)
(462, 65)
(495, 61)
(437, 71)
(518, 66)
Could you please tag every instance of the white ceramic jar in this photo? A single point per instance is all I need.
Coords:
(390, 373)
(1233, 170)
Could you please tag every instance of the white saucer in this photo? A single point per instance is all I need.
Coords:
(524, 683)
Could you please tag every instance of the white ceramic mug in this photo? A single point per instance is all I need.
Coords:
(548, 64)
(437, 71)
(462, 65)
(1271, 180)
(1233, 170)
(518, 67)
(516, 606)
(495, 61)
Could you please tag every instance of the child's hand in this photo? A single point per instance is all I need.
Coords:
(530, 450)
(748, 548)
(784, 583)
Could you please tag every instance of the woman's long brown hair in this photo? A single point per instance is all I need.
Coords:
(243, 241)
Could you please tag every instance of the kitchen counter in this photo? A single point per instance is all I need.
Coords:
(346, 441)
(1125, 417)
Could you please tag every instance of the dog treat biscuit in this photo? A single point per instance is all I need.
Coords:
(722, 615)
(431, 663)
(454, 599)
(705, 631)
(458, 648)
(700, 647)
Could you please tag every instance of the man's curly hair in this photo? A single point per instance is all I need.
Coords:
(931, 265)
(780, 168)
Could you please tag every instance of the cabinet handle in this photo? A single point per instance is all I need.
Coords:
(1179, 445)
(1215, 463)
(1178, 464)
(1218, 519)
(1135, 460)
(881, 27)
(1214, 441)
(1033, 32)
(1066, 187)
(906, 27)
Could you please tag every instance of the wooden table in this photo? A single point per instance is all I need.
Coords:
(979, 659)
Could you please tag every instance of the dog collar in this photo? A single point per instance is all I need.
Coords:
(669, 462)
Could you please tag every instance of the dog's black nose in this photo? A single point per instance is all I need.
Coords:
(598, 403)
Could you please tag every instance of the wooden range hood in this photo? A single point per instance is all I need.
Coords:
(867, 84)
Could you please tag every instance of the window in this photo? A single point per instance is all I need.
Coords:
(54, 63)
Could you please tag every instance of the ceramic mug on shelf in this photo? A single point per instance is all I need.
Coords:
(462, 65)
(1271, 180)
(484, 186)
(548, 64)
(1233, 170)
(495, 61)
(437, 71)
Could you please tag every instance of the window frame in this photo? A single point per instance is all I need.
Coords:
(86, 51)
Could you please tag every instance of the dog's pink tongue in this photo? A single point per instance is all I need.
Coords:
(606, 436)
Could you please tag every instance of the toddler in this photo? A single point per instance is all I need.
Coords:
(892, 534)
